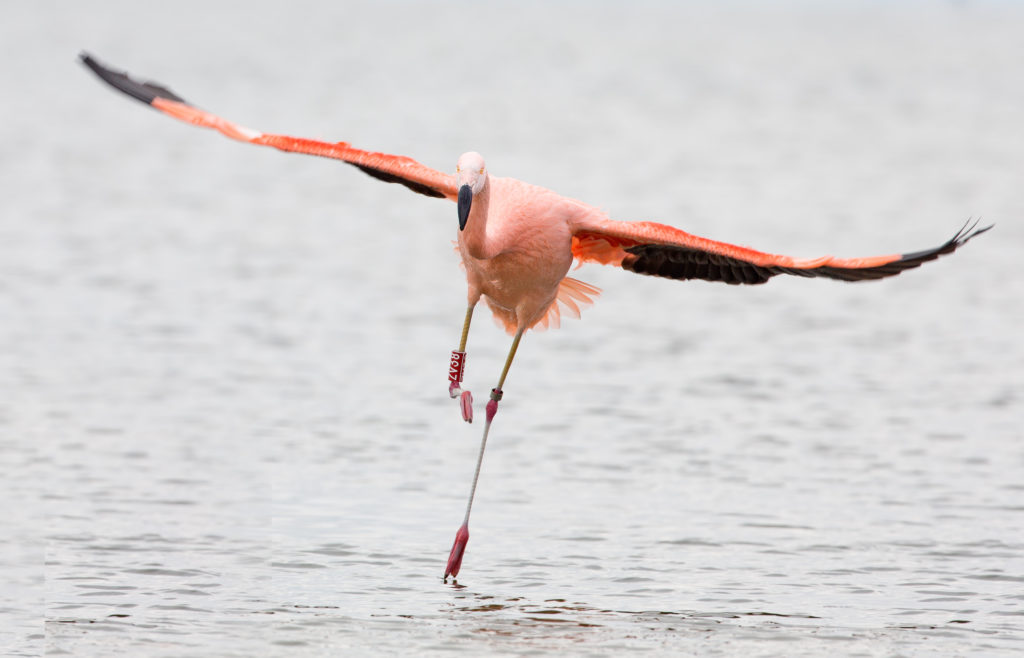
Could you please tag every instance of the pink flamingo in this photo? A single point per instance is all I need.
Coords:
(517, 242)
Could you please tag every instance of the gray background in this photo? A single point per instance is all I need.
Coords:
(224, 428)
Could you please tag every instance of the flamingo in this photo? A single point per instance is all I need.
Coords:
(517, 242)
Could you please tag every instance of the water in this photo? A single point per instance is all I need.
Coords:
(223, 421)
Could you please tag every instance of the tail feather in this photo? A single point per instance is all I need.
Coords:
(571, 297)
(572, 294)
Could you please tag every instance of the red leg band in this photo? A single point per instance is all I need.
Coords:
(457, 365)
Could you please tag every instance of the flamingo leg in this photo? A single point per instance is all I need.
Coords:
(508, 363)
(465, 327)
(455, 369)
(462, 536)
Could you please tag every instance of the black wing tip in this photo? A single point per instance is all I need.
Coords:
(967, 232)
(970, 230)
(144, 91)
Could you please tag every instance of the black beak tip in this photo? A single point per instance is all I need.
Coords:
(465, 201)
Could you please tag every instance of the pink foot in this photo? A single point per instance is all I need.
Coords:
(458, 549)
(465, 401)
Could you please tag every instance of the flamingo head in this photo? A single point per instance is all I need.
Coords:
(470, 178)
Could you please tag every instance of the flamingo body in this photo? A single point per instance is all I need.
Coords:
(517, 249)
(517, 242)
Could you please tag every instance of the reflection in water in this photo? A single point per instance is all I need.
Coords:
(550, 610)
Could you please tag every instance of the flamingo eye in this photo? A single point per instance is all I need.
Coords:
(481, 171)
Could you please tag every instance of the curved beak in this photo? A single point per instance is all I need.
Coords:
(465, 201)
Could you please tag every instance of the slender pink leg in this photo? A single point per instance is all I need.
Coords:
(462, 536)
(455, 369)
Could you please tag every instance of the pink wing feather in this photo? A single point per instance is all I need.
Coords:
(660, 250)
(390, 168)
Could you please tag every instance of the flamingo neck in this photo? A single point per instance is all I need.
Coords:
(475, 237)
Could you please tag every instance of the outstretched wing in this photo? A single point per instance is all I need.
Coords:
(389, 168)
(659, 250)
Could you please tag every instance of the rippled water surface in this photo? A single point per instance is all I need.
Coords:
(224, 428)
